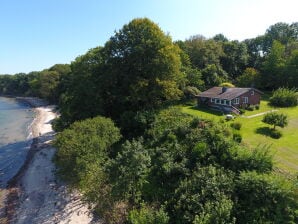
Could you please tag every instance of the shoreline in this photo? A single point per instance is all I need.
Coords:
(33, 103)
(13, 188)
(34, 194)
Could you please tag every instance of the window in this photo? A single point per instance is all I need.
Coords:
(222, 102)
(236, 100)
(217, 101)
(212, 100)
(245, 99)
(252, 92)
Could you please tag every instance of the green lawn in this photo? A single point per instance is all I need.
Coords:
(253, 132)
(203, 113)
(263, 108)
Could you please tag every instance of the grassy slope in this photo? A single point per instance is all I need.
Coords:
(254, 133)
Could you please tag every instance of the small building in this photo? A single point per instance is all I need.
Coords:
(229, 99)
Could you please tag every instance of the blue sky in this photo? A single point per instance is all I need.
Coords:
(36, 34)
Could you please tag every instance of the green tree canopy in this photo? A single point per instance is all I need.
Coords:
(143, 68)
(235, 58)
(204, 197)
(203, 52)
(292, 70)
(276, 119)
(250, 78)
(273, 67)
(265, 198)
(82, 97)
(281, 32)
(82, 145)
(214, 75)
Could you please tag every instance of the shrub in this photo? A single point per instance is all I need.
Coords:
(251, 108)
(237, 137)
(242, 111)
(226, 84)
(58, 124)
(221, 120)
(236, 125)
(265, 198)
(284, 97)
(257, 107)
(82, 144)
(204, 197)
(148, 215)
(275, 134)
(190, 92)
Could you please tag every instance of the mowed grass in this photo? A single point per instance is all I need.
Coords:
(203, 113)
(253, 131)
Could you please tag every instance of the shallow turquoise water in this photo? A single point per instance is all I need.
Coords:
(15, 119)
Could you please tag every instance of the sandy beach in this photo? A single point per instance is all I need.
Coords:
(35, 195)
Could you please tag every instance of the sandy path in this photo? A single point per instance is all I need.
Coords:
(43, 199)
(260, 114)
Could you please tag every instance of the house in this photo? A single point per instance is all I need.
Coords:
(229, 99)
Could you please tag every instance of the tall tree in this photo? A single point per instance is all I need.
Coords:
(48, 82)
(82, 98)
(214, 75)
(281, 32)
(292, 69)
(220, 38)
(250, 78)
(143, 68)
(235, 58)
(193, 76)
(203, 52)
(273, 67)
(255, 51)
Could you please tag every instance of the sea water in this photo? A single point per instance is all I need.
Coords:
(15, 120)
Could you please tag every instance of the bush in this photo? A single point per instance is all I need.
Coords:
(237, 137)
(236, 125)
(204, 197)
(190, 92)
(265, 198)
(148, 215)
(83, 144)
(250, 108)
(242, 111)
(257, 107)
(226, 84)
(275, 134)
(284, 97)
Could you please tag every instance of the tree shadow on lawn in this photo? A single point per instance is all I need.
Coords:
(207, 110)
(264, 131)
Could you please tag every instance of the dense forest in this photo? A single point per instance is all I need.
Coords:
(138, 159)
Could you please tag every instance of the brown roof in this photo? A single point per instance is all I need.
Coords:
(229, 94)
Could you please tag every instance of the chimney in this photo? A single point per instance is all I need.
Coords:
(224, 89)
